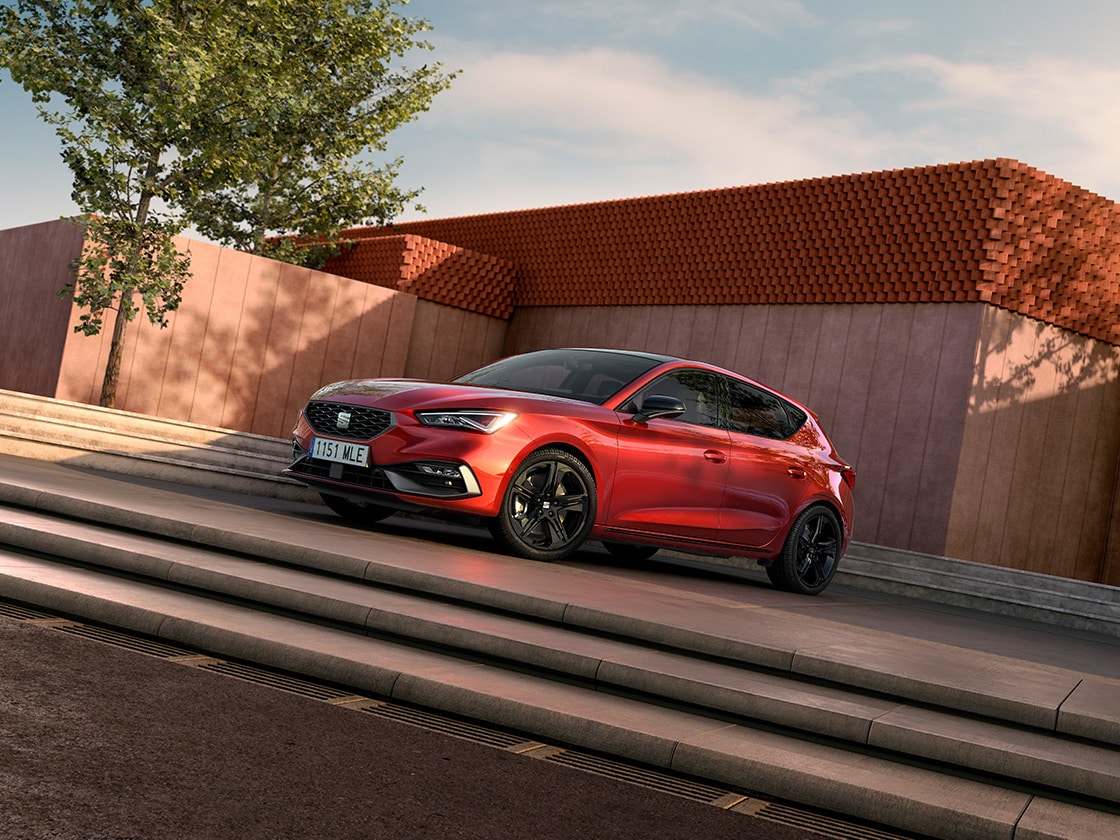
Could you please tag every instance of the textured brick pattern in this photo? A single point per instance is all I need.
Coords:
(995, 230)
(1054, 254)
(431, 270)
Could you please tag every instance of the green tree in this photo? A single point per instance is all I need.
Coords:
(301, 150)
(245, 118)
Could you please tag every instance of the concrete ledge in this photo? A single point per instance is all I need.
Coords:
(122, 442)
(1062, 602)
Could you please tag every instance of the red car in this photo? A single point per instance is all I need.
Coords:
(554, 447)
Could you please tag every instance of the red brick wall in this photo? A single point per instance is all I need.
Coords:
(996, 230)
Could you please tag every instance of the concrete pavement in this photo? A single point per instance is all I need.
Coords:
(100, 743)
(844, 684)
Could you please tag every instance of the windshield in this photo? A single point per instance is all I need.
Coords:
(589, 375)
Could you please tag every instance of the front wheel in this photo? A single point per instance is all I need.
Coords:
(549, 507)
(811, 553)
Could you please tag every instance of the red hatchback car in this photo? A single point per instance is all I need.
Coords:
(554, 447)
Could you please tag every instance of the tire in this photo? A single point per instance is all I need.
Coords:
(356, 513)
(630, 552)
(811, 553)
(548, 508)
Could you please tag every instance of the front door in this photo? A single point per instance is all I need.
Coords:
(671, 473)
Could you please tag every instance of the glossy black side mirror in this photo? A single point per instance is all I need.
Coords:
(657, 405)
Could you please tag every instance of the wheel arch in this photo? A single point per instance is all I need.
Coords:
(564, 445)
(825, 502)
(574, 450)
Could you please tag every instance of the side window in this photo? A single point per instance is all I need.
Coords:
(752, 411)
(697, 389)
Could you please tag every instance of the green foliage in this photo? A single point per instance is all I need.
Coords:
(318, 92)
(120, 260)
(246, 119)
(98, 60)
(310, 253)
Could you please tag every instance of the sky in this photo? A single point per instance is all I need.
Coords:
(572, 101)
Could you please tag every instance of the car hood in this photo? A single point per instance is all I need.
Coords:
(417, 395)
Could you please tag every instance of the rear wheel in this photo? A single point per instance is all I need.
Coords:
(630, 552)
(811, 553)
(356, 513)
(549, 506)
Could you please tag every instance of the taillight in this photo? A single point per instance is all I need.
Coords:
(849, 476)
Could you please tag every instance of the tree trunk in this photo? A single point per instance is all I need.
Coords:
(116, 354)
(124, 305)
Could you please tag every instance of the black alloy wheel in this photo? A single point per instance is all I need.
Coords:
(356, 513)
(811, 553)
(549, 507)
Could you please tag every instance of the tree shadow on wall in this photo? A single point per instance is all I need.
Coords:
(253, 368)
(1021, 360)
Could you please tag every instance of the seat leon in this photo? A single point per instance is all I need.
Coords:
(551, 448)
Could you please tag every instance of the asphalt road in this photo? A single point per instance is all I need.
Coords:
(102, 743)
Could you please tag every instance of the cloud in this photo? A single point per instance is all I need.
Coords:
(629, 110)
(1073, 98)
(1060, 115)
(534, 127)
(671, 16)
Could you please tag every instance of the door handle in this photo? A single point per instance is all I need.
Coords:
(797, 472)
(715, 456)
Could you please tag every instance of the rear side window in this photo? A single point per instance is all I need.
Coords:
(752, 411)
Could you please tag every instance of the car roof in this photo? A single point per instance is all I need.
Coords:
(656, 357)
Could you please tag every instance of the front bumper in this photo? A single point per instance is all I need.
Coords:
(431, 478)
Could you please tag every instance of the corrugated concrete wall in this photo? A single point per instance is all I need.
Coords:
(447, 341)
(977, 433)
(34, 320)
(1037, 478)
(252, 339)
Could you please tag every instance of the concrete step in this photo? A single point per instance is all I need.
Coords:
(981, 586)
(155, 448)
(866, 723)
(135, 444)
(868, 786)
(975, 683)
(1055, 702)
(634, 665)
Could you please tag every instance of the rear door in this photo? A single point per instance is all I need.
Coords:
(769, 475)
(671, 473)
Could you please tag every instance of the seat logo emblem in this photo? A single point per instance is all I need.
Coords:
(343, 421)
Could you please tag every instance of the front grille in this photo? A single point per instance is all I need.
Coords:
(350, 422)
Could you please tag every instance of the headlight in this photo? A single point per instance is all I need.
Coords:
(473, 421)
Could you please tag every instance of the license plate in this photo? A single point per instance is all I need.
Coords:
(340, 452)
